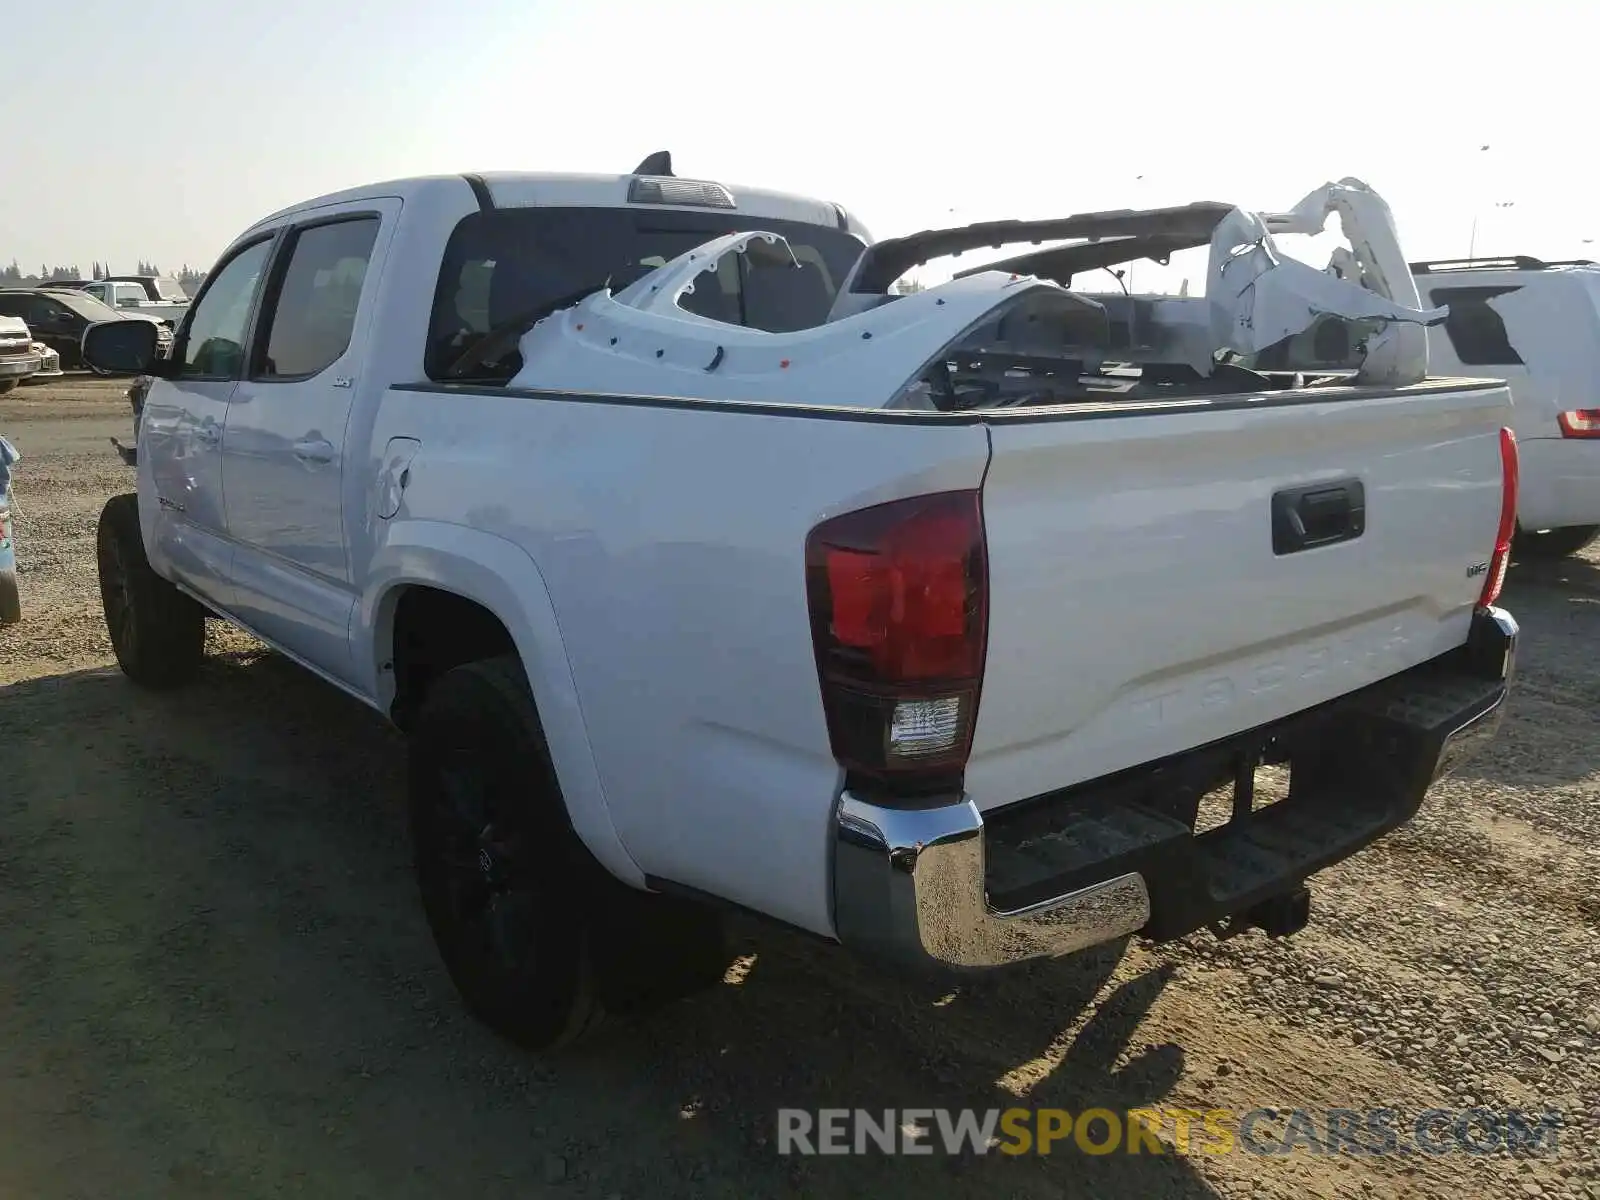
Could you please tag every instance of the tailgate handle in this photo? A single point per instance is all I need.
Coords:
(1321, 514)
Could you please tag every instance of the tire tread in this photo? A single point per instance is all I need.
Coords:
(169, 645)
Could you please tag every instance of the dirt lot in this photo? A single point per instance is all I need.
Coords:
(217, 981)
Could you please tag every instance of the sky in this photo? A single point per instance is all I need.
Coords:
(161, 131)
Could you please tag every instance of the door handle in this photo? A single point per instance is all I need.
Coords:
(210, 435)
(314, 450)
(1318, 515)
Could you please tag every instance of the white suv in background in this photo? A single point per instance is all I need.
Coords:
(1537, 326)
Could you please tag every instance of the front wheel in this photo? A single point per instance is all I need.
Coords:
(157, 633)
(1554, 543)
(538, 938)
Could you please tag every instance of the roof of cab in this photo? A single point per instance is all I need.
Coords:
(1522, 265)
(523, 189)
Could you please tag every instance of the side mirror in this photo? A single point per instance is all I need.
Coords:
(121, 347)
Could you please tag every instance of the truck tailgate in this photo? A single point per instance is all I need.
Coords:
(1141, 603)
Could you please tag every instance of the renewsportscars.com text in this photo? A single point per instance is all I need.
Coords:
(1264, 1131)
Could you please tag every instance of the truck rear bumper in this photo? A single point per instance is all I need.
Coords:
(940, 886)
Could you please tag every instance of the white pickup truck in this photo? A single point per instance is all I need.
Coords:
(155, 296)
(702, 569)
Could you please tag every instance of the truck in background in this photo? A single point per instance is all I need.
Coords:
(1536, 325)
(156, 296)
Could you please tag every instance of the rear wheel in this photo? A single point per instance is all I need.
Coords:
(157, 632)
(538, 938)
(7, 384)
(1554, 543)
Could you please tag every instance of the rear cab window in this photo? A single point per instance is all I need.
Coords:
(502, 263)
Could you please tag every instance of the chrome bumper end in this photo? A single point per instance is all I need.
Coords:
(909, 887)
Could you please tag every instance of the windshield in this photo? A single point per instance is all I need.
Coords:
(504, 263)
(85, 305)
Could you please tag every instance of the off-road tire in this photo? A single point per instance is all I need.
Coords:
(541, 942)
(157, 633)
(1553, 543)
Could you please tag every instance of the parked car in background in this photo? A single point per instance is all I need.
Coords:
(49, 364)
(156, 287)
(127, 295)
(1536, 325)
(18, 359)
(151, 287)
(58, 317)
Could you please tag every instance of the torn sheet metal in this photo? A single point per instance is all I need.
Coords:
(1259, 297)
(662, 291)
(874, 348)
(642, 341)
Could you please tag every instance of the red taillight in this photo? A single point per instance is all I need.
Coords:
(899, 607)
(1508, 520)
(1580, 423)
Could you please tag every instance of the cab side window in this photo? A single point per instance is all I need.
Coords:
(213, 342)
(313, 314)
(1476, 332)
(34, 312)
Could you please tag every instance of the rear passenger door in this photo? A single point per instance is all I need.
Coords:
(285, 478)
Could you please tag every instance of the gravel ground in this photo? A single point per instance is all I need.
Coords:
(217, 981)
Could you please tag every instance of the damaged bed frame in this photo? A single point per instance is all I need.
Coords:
(1013, 332)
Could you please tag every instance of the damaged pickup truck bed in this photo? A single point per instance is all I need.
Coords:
(699, 567)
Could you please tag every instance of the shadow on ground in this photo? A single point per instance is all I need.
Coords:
(1557, 605)
(219, 983)
(1573, 573)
